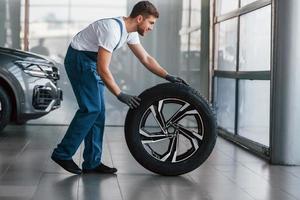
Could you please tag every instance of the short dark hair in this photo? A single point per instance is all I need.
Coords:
(144, 8)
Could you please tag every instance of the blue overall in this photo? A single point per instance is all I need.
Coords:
(88, 122)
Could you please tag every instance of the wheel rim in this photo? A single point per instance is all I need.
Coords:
(171, 130)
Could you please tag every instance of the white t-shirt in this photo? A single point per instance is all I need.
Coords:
(103, 33)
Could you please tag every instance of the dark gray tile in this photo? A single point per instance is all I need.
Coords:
(179, 187)
(268, 193)
(14, 144)
(190, 194)
(245, 178)
(30, 159)
(229, 194)
(295, 170)
(21, 177)
(130, 192)
(96, 186)
(229, 172)
(14, 198)
(292, 190)
(278, 176)
(57, 186)
(139, 187)
(207, 180)
(128, 167)
(218, 157)
(16, 192)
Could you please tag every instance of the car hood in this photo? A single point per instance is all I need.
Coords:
(23, 55)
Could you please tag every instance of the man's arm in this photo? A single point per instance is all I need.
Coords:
(103, 61)
(148, 61)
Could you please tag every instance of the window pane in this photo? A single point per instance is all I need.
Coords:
(48, 46)
(255, 40)
(103, 3)
(184, 37)
(225, 102)
(195, 13)
(192, 72)
(48, 14)
(254, 110)
(226, 44)
(245, 2)
(94, 13)
(195, 41)
(10, 24)
(225, 6)
(185, 14)
(48, 2)
(184, 43)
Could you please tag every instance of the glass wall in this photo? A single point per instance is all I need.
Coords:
(10, 23)
(242, 55)
(174, 42)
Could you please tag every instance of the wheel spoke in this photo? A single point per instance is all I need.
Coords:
(171, 153)
(156, 110)
(185, 110)
(194, 142)
(189, 133)
(152, 137)
(153, 153)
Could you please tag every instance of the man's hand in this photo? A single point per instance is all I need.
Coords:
(131, 101)
(175, 79)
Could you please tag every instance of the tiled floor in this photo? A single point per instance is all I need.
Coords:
(26, 172)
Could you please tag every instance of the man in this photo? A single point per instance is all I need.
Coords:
(87, 66)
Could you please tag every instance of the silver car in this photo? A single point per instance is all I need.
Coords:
(28, 86)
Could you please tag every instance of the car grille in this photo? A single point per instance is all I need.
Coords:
(55, 73)
(42, 97)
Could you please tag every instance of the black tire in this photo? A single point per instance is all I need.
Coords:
(5, 109)
(193, 105)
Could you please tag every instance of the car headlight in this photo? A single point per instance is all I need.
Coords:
(37, 69)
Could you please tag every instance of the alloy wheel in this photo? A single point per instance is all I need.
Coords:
(171, 130)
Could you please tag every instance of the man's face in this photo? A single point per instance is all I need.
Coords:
(145, 24)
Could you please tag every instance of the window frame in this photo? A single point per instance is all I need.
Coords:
(253, 146)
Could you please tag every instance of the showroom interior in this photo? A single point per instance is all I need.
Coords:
(241, 55)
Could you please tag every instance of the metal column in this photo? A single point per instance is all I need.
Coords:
(285, 111)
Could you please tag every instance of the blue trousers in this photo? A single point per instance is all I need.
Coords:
(88, 122)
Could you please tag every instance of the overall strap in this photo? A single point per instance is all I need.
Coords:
(121, 29)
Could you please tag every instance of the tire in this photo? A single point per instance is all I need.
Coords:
(184, 120)
(5, 109)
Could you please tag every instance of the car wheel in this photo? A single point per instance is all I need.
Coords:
(173, 131)
(5, 108)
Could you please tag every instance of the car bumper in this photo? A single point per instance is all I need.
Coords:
(46, 97)
(42, 95)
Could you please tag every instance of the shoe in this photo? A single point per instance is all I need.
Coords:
(101, 169)
(68, 165)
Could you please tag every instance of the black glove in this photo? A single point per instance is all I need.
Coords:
(131, 101)
(175, 79)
